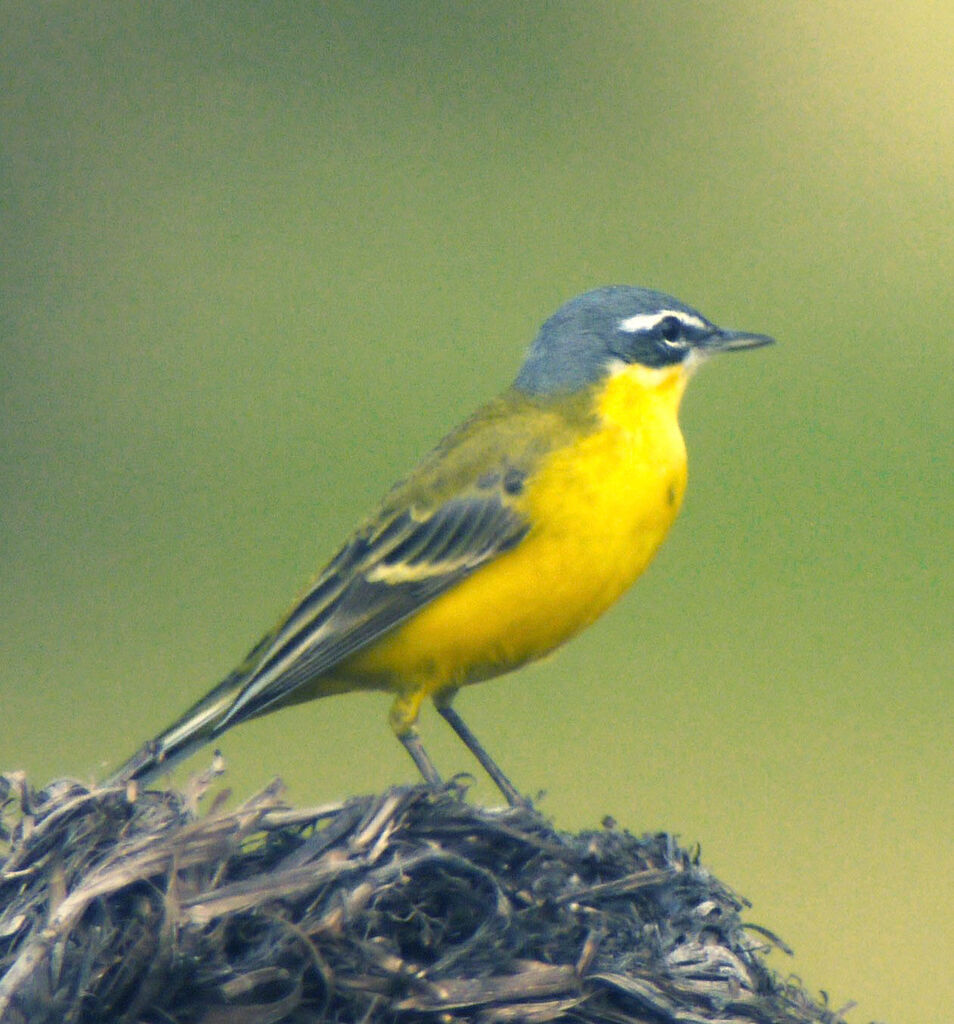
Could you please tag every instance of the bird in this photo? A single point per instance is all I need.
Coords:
(523, 525)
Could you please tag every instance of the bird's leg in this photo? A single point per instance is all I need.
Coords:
(412, 744)
(404, 712)
(490, 766)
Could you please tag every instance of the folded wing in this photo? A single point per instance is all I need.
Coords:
(391, 568)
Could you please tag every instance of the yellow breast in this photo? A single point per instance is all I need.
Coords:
(599, 509)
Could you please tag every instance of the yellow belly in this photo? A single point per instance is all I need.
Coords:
(599, 509)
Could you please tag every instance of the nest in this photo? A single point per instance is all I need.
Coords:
(409, 906)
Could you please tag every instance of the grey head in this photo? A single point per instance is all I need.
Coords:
(598, 330)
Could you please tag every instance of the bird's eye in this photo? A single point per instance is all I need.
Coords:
(670, 328)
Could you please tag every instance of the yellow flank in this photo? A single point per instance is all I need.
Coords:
(599, 508)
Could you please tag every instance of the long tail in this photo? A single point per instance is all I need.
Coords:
(203, 721)
(186, 735)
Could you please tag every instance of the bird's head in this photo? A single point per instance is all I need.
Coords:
(602, 331)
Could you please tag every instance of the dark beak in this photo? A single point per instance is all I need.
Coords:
(722, 340)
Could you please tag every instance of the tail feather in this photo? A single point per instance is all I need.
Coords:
(185, 736)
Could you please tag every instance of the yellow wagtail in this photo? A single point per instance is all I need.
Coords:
(523, 526)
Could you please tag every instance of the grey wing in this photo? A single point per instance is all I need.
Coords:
(384, 574)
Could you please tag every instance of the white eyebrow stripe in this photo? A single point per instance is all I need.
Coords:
(647, 321)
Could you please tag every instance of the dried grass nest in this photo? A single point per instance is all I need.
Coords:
(408, 906)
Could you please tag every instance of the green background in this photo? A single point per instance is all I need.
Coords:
(257, 258)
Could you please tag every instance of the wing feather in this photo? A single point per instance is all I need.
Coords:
(388, 570)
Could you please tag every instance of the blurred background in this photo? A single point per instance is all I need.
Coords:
(256, 259)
